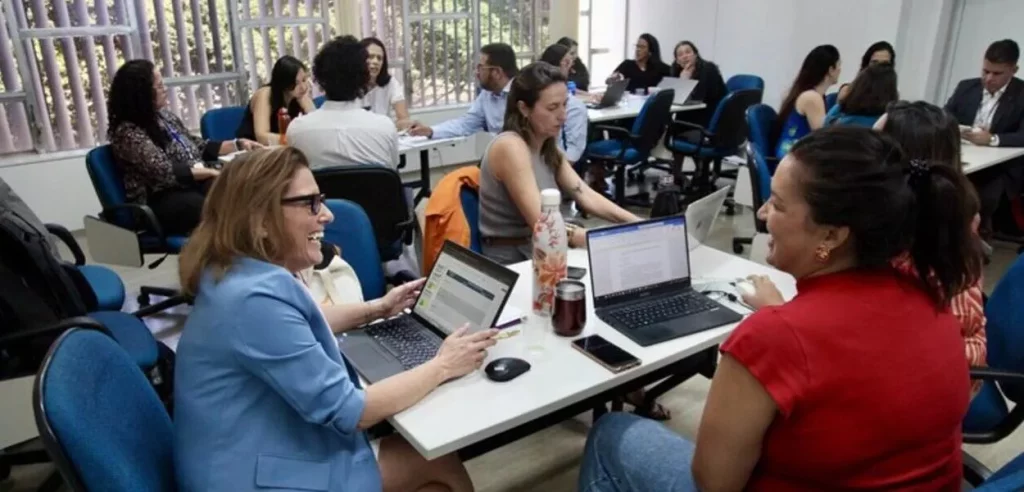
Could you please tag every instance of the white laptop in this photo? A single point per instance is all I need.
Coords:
(701, 215)
(683, 88)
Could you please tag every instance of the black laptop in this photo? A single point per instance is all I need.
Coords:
(612, 95)
(463, 287)
(640, 278)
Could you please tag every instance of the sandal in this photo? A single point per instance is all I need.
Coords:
(655, 412)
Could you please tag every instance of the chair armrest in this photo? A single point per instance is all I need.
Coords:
(401, 277)
(1011, 421)
(65, 237)
(686, 125)
(616, 130)
(60, 326)
(139, 212)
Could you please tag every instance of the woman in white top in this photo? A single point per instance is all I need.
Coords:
(385, 95)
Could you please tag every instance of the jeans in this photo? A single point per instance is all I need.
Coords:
(625, 452)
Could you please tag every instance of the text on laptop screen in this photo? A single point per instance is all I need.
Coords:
(630, 258)
(458, 292)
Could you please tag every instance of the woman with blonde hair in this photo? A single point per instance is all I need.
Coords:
(263, 396)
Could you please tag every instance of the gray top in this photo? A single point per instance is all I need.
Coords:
(499, 216)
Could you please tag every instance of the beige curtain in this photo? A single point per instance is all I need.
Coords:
(346, 19)
(565, 19)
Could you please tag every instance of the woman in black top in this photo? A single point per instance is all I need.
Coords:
(646, 69)
(710, 87)
(578, 73)
(289, 88)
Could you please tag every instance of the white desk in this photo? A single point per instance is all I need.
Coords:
(472, 409)
(630, 106)
(975, 157)
(407, 144)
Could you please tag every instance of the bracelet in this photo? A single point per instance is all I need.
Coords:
(237, 146)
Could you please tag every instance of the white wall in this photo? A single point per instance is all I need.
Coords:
(58, 189)
(771, 38)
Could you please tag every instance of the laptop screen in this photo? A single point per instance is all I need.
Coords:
(464, 287)
(631, 258)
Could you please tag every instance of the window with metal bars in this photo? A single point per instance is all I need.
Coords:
(57, 57)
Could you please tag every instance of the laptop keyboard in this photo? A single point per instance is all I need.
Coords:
(409, 342)
(658, 310)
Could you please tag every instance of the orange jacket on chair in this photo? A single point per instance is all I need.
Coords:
(444, 218)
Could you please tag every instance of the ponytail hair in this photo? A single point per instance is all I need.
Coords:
(860, 179)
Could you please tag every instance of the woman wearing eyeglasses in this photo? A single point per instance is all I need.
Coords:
(263, 397)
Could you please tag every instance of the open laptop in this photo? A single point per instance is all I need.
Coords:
(683, 88)
(463, 287)
(701, 215)
(640, 278)
(612, 95)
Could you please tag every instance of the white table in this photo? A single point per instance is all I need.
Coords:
(407, 144)
(470, 410)
(975, 157)
(630, 106)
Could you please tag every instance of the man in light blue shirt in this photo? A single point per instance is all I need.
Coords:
(573, 139)
(495, 72)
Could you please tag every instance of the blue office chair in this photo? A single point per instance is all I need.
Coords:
(319, 101)
(352, 232)
(99, 419)
(106, 286)
(471, 209)
(760, 186)
(106, 180)
(221, 123)
(744, 81)
(761, 118)
(1009, 478)
(831, 100)
(626, 148)
(723, 137)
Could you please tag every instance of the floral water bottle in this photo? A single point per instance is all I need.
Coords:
(550, 250)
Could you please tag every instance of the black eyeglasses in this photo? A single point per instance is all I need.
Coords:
(314, 201)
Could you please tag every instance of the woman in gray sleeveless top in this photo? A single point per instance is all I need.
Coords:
(524, 160)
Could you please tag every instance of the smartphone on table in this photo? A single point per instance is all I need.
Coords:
(605, 353)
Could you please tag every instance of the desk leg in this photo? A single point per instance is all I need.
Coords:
(424, 177)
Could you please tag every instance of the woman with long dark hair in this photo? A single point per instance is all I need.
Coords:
(160, 162)
(803, 109)
(645, 69)
(578, 73)
(385, 94)
(860, 381)
(688, 64)
(872, 91)
(878, 52)
(290, 88)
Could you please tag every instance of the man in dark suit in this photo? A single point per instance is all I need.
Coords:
(993, 107)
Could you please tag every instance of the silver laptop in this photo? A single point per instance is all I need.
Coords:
(683, 88)
(701, 215)
(463, 287)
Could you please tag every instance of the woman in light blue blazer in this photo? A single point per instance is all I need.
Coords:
(263, 398)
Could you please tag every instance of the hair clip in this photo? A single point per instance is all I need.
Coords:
(919, 168)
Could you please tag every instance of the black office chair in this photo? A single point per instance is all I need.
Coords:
(379, 191)
(723, 137)
(626, 148)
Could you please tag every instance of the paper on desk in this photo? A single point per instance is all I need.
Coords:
(510, 316)
(410, 140)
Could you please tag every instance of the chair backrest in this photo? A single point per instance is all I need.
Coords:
(352, 232)
(760, 182)
(319, 101)
(1005, 327)
(221, 123)
(760, 120)
(100, 419)
(743, 81)
(106, 177)
(831, 100)
(652, 120)
(729, 122)
(471, 209)
(379, 191)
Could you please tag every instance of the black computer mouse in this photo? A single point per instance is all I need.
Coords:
(506, 369)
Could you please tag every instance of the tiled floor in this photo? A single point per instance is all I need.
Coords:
(549, 460)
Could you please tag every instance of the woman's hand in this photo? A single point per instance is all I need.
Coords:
(244, 144)
(765, 293)
(401, 298)
(462, 353)
(204, 173)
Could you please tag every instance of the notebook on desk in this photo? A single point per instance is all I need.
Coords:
(682, 87)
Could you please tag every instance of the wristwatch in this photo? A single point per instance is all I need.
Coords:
(237, 145)
(993, 141)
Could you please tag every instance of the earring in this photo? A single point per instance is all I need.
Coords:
(822, 253)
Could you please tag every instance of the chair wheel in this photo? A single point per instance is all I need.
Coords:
(730, 209)
(143, 300)
(737, 248)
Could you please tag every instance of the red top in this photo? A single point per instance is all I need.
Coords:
(870, 381)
